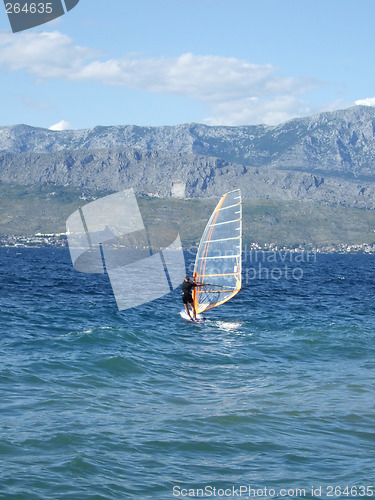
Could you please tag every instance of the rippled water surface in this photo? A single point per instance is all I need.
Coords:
(275, 390)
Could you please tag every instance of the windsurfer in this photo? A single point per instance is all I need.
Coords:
(187, 297)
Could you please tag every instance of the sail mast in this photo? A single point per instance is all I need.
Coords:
(218, 261)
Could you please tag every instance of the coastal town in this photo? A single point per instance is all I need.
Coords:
(39, 240)
(59, 240)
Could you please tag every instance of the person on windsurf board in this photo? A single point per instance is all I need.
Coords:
(187, 296)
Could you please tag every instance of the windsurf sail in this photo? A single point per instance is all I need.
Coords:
(218, 261)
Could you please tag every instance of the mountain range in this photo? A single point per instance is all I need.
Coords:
(327, 158)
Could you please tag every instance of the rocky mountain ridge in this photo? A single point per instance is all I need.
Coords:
(326, 158)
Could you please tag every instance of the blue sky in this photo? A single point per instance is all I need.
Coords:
(149, 62)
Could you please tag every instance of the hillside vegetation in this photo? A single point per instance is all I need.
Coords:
(29, 210)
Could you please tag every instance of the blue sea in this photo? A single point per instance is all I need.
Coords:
(271, 397)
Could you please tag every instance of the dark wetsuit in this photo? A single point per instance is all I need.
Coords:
(187, 288)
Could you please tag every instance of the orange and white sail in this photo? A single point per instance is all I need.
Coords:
(218, 261)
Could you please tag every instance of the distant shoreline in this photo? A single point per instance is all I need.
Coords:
(59, 240)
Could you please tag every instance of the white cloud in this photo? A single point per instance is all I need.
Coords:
(271, 111)
(61, 125)
(45, 55)
(369, 101)
(235, 91)
(208, 78)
